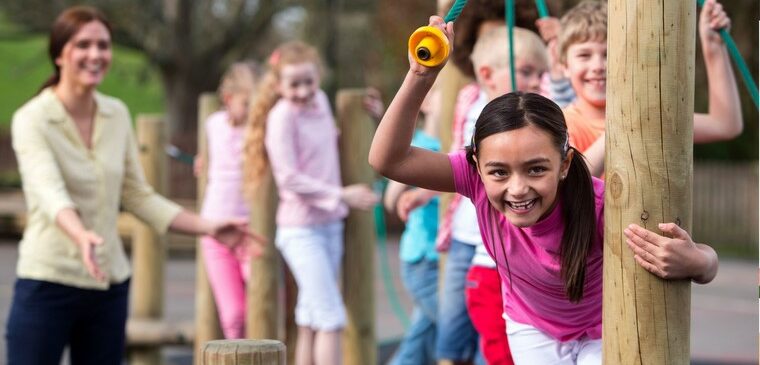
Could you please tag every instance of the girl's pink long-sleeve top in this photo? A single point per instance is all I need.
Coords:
(302, 146)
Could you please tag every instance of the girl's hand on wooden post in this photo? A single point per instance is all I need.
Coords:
(373, 104)
(198, 165)
(674, 256)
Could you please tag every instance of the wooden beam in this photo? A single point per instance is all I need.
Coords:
(357, 129)
(650, 93)
(149, 247)
(206, 318)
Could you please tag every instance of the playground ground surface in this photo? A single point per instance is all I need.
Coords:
(724, 313)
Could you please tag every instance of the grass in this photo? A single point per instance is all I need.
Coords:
(24, 66)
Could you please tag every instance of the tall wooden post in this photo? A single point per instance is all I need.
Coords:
(357, 129)
(262, 306)
(206, 318)
(148, 247)
(650, 95)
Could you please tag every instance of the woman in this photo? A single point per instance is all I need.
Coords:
(79, 163)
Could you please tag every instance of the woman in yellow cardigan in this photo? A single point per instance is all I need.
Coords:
(79, 163)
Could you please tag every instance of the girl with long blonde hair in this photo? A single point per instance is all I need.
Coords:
(291, 130)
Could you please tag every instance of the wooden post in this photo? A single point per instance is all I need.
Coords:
(262, 295)
(650, 95)
(206, 318)
(357, 129)
(291, 328)
(148, 247)
(243, 352)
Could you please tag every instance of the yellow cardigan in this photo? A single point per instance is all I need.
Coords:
(58, 171)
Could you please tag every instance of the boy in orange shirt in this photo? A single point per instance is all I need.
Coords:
(582, 50)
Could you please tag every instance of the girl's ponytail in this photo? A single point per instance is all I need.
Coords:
(578, 212)
(255, 161)
(51, 81)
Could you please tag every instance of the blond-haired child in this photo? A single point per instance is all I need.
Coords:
(583, 53)
(292, 130)
(228, 267)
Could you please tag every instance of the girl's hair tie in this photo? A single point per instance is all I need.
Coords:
(274, 58)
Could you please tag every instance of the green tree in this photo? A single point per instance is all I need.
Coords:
(189, 41)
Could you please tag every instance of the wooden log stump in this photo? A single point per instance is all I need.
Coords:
(243, 352)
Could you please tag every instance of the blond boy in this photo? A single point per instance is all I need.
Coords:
(490, 59)
(583, 54)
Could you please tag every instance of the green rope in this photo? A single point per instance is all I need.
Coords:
(510, 15)
(455, 10)
(543, 11)
(749, 82)
(179, 155)
(384, 262)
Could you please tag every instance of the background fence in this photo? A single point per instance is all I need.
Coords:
(725, 206)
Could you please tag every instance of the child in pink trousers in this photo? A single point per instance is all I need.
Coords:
(227, 267)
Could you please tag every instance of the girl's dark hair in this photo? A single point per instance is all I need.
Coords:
(65, 26)
(516, 110)
(473, 15)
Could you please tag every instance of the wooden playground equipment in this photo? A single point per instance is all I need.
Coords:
(147, 331)
(649, 177)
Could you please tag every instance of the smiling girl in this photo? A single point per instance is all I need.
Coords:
(291, 125)
(539, 211)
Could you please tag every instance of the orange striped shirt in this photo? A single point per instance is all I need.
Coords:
(583, 131)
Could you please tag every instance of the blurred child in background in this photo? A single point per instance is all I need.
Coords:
(292, 130)
(419, 258)
(228, 267)
(582, 49)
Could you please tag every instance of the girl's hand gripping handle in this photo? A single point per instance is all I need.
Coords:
(430, 45)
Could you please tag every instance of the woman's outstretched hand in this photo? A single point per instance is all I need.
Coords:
(87, 242)
(235, 233)
(674, 256)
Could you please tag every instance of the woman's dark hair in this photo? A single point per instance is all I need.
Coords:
(65, 26)
(516, 110)
(473, 15)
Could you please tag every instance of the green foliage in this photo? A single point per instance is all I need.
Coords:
(24, 66)
(10, 179)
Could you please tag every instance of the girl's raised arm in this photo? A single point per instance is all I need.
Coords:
(391, 153)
